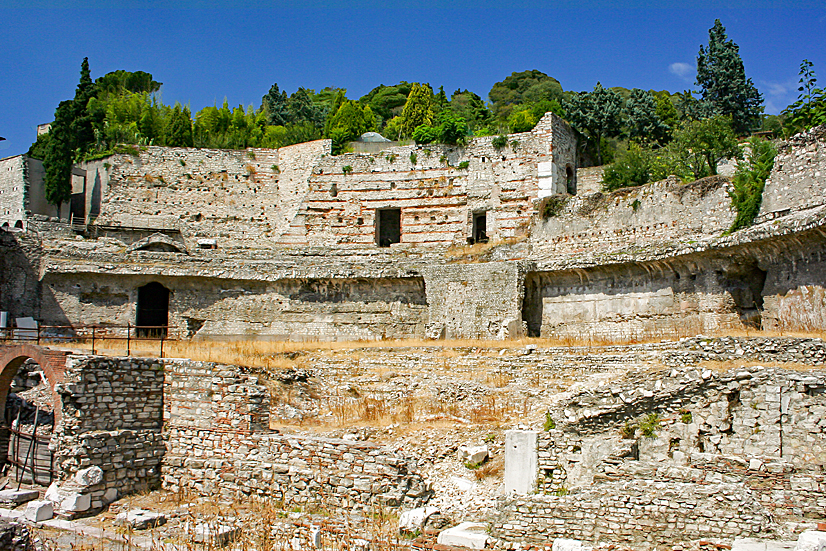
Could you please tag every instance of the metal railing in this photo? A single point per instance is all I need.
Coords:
(95, 334)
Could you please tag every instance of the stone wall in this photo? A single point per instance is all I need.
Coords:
(686, 452)
(13, 190)
(798, 180)
(218, 444)
(475, 300)
(589, 179)
(294, 308)
(108, 442)
(437, 197)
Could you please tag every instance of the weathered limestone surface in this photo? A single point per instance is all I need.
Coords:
(728, 454)
(219, 443)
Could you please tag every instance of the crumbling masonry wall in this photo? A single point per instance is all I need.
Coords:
(111, 412)
(218, 443)
(730, 454)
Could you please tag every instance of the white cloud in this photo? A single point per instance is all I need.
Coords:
(683, 70)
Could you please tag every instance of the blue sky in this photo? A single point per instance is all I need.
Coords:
(204, 51)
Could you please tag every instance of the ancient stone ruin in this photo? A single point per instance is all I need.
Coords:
(432, 243)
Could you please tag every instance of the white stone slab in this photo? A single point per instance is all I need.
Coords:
(520, 461)
(811, 540)
(473, 535)
(18, 496)
(410, 521)
(38, 511)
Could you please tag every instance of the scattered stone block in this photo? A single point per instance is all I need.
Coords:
(811, 540)
(76, 502)
(89, 476)
(218, 535)
(17, 497)
(472, 455)
(38, 511)
(415, 519)
(472, 535)
(140, 519)
(563, 544)
(110, 496)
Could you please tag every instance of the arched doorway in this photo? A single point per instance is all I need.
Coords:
(29, 411)
(152, 312)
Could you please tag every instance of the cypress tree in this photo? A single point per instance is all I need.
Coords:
(418, 109)
(57, 161)
(722, 79)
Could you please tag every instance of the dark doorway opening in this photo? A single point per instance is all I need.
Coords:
(480, 227)
(532, 304)
(152, 311)
(570, 180)
(388, 227)
(77, 208)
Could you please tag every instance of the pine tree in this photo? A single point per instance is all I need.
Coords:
(275, 104)
(722, 79)
(599, 113)
(644, 124)
(179, 129)
(82, 124)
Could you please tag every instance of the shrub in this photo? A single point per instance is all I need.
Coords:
(749, 181)
(347, 169)
(390, 158)
(413, 158)
(552, 205)
(276, 169)
(499, 141)
(685, 416)
(632, 169)
(628, 430)
(649, 425)
(549, 424)
(464, 165)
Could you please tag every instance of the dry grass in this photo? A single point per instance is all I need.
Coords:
(493, 468)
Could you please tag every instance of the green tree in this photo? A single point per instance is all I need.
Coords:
(810, 108)
(178, 132)
(599, 113)
(301, 109)
(666, 111)
(521, 88)
(721, 77)
(643, 122)
(469, 106)
(57, 161)
(418, 110)
(274, 103)
(81, 126)
(522, 121)
(700, 145)
(387, 101)
(749, 181)
(350, 121)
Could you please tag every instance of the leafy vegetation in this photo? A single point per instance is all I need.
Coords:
(599, 113)
(749, 181)
(810, 108)
(549, 423)
(649, 425)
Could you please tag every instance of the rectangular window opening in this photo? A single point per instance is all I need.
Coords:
(388, 227)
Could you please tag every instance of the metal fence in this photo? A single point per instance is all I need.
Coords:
(94, 334)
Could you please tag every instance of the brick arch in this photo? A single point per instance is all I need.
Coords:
(53, 363)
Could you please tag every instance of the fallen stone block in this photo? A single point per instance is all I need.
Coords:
(17, 497)
(89, 476)
(110, 496)
(563, 544)
(415, 519)
(473, 535)
(76, 503)
(811, 540)
(38, 511)
(215, 534)
(472, 455)
(140, 519)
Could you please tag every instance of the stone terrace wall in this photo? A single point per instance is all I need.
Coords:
(643, 513)
(437, 198)
(475, 300)
(111, 414)
(241, 198)
(798, 179)
(640, 218)
(218, 444)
